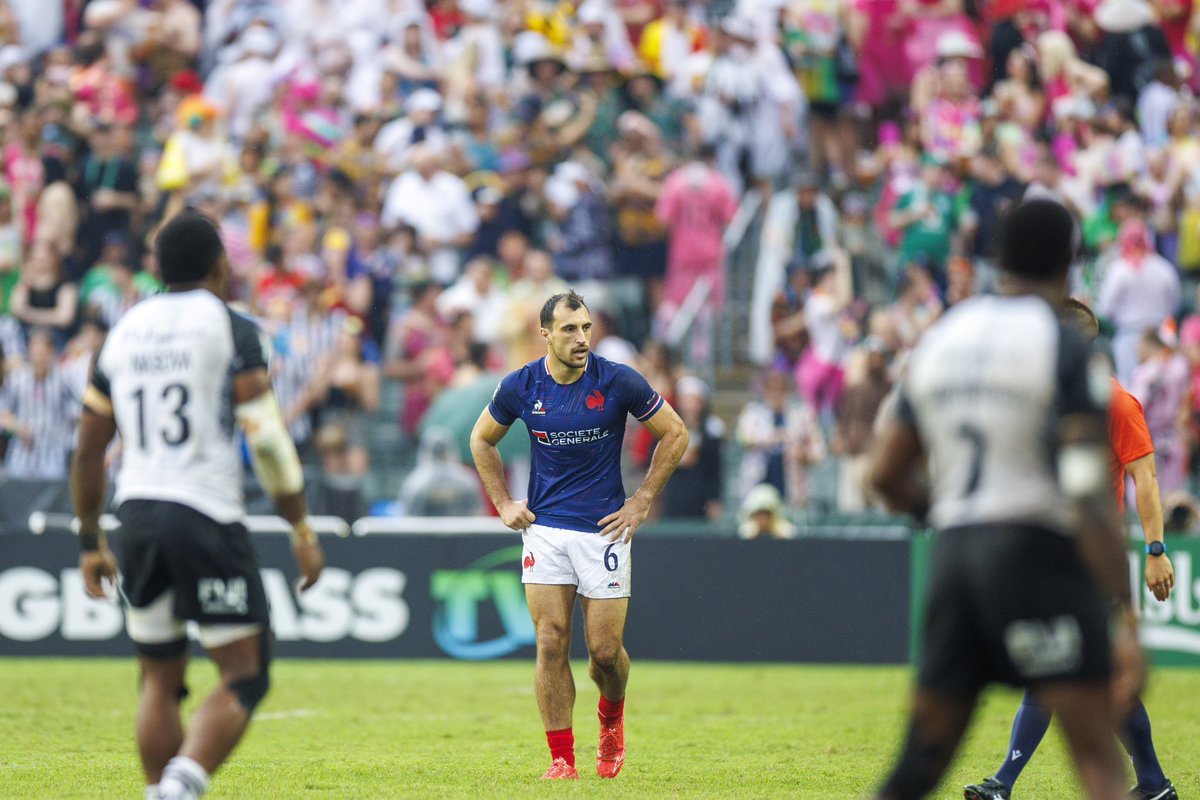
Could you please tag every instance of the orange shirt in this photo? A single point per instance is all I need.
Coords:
(1128, 434)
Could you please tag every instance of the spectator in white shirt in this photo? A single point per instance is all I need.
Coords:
(1155, 104)
(438, 205)
(419, 126)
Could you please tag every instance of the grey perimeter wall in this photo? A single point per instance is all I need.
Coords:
(430, 596)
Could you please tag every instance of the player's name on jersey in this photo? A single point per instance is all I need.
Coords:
(562, 438)
(161, 361)
(979, 390)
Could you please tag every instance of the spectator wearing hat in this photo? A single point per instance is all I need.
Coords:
(418, 126)
(949, 110)
(644, 92)
(197, 156)
(929, 23)
(544, 68)
(780, 439)
(762, 515)
(598, 95)
(698, 482)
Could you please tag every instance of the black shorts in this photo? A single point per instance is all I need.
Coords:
(1010, 604)
(211, 569)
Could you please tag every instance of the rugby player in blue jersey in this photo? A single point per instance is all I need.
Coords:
(577, 522)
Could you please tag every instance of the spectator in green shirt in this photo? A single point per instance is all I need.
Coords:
(927, 217)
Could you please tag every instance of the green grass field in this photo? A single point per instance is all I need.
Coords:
(444, 729)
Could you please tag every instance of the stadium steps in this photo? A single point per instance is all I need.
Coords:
(733, 388)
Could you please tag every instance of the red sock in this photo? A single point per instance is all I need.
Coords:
(562, 745)
(611, 711)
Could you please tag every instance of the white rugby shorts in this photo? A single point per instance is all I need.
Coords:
(599, 568)
(157, 624)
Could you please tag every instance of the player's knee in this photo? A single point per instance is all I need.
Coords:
(250, 682)
(553, 639)
(250, 690)
(605, 656)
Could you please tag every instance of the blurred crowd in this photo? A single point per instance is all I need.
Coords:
(400, 184)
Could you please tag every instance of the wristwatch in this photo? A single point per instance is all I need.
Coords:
(1155, 548)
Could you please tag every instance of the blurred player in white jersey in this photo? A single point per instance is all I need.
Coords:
(177, 376)
(1006, 405)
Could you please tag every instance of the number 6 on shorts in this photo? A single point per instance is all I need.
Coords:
(610, 558)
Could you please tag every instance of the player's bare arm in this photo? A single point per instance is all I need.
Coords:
(1160, 574)
(486, 434)
(277, 465)
(88, 478)
(672, 435)
(897, 469)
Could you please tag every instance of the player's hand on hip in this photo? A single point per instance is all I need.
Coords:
(311, 560)
(97, 566)
(620, 525)
(515, 514)
(1160, 576)
(1129, 664)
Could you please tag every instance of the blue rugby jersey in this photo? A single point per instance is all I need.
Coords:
(575, 435)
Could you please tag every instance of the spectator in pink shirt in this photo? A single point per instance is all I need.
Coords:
(696, 204)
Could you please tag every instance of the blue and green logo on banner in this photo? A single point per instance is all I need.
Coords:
(462, 597)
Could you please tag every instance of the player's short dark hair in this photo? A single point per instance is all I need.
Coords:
(1037, 240)
(1078, 316)
(570, 299)
(188, 248)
